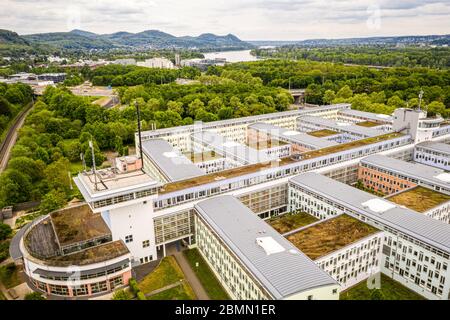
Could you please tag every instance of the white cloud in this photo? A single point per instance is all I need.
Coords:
(248, 19)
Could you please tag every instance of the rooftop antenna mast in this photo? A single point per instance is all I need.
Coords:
(83, 161)
(91, 145)
(420, 98)
(138, 111)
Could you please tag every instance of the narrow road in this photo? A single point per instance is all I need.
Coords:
(11, 137)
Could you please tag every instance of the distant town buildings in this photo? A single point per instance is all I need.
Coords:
(162, 63)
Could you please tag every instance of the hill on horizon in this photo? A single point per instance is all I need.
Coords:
(148, 39)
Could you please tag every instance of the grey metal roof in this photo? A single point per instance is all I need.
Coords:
(367, 115)
(282, 274)
(289, 135)
(420, 226)
(172, 164)
(230, 148)
(341, 126)
(410, 169)
(435, 146)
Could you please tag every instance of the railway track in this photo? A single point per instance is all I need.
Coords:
(11, 136)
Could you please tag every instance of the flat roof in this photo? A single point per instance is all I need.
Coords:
(256, 118)
(420, 171)
(419, 198)
(405, 220)
(435, 146)
(341, 126)
(279, 266)
(291, 221)
(330, 235)
(100, 253)
(292, 136)
(227, 147)
(368, 115)
(172, 164)
(323, 133)
(226, 174)
(110, 183)
(239, 171)
(78, 223)
(350, 145)
(197, 157)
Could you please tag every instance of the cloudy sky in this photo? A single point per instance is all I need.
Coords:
(248, 19)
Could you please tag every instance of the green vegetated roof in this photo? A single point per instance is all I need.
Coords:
(419, 199)
(331, 235)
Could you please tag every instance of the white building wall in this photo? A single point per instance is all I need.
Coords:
(441, 212)
(431, 158)
(423, 271)
(135, 220)
(355, 262)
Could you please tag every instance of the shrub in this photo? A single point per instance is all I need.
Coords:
(34, 296)
(121, 295)
(5, 231)
(141, 296)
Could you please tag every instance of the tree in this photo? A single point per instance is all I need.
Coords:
(15, 187)
(53, 200)
(225, 113)
(345, 92)
(34, 296)
(5, 231)
(57, 176)
(33, 169)
(329, 96)
(194, 106)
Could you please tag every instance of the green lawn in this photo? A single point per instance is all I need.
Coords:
(9, 276)
(207, 278)
(181, 292)
(390, 289)
(168, 272)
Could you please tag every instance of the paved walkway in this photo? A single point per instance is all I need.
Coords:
(170, 286)
(191, 277)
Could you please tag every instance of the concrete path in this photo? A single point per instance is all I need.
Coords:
(191, 277)
(170, 286)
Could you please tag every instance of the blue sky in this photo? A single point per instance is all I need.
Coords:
(248, 19)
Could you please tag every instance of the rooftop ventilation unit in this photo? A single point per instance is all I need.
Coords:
(270, 245)
(378, 205)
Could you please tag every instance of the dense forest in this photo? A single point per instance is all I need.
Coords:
(366, 88)
(13, 98)
(438, 57)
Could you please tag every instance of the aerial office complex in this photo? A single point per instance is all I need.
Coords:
(213, 185)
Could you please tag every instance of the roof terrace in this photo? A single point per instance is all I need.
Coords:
(77, 224)
(85, 236)
(419, 199)
(100, 253)
(331, 235)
